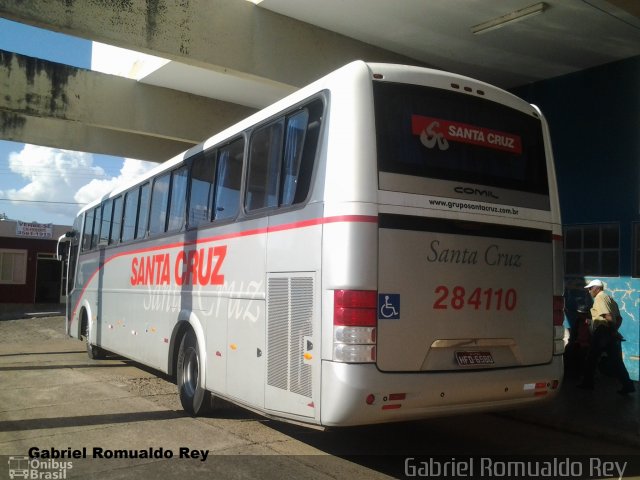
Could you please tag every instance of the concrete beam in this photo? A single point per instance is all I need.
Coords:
(56, 105)
(224, 34)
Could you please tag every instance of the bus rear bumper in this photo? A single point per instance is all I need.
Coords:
(360, 394)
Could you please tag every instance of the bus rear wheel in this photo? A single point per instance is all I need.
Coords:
(195, 399)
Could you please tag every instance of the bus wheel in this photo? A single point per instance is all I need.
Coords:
(93, 351)
(195, 399)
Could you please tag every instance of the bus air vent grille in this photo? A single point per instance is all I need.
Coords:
(289, 324)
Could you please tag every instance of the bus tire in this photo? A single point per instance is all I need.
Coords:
(93, 351)
(195, 399)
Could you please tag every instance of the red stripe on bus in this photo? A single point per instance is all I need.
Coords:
(257, 231)
(229, 236)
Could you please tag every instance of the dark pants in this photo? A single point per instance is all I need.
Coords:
(605, 340)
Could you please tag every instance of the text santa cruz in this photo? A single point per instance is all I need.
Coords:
(190, 267)
(492, 256)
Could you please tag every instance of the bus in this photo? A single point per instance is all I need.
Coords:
(382, 245)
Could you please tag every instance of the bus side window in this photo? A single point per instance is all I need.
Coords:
(143, 212)
(116, 223)
(159, 204)
(201, 189)
(265, 157)
(96, 226)
(294, 144)
(228, 180)
(130, 210)
(178, 204)
(309, 151)
(88, 230)
(107, 210)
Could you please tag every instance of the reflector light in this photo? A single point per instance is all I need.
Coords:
(371, 398)
(355, 320)
(558, 347)
(355, 298)
(394, 406)
(357, 308)
(354, 335)
(354, 353)
(558, 332)
(397, 396)
(355, 317)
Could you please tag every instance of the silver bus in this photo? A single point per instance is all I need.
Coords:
(382, 245)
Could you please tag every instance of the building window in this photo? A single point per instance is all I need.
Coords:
(13, 267)
(592, 250)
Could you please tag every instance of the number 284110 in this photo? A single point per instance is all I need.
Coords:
(458, 298)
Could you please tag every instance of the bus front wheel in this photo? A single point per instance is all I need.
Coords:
(195, 399)
(93, 351)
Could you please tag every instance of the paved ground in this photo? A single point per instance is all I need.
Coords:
(81, 408)
(52, 395)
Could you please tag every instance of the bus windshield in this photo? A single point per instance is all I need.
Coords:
(434, 133)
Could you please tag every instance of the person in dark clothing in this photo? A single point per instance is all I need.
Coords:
(605, 320)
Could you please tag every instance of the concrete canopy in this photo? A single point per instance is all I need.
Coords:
(47, 103)
(88, 111)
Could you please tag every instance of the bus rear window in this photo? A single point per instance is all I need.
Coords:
(435, 133)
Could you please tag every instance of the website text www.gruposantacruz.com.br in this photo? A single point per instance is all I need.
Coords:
(453, 205)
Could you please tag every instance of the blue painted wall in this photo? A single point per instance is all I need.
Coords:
(594, 117)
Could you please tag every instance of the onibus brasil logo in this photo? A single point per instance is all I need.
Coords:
(36, 468)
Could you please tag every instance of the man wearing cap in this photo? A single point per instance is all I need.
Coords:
(605, 320)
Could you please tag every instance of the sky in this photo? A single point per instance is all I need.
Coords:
(49, 185)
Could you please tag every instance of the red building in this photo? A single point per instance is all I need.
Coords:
(29, 270)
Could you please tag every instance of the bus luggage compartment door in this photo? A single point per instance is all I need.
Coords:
(458, 295)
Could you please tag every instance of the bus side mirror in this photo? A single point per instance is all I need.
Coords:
(63, 239)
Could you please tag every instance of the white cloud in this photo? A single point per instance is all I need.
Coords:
(131, 170)
(55, 175)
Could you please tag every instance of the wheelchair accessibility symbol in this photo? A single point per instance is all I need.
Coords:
(388, 306)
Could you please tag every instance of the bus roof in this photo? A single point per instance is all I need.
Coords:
(388, 72)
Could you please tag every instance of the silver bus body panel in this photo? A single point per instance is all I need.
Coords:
(486, 293)
(346, 388)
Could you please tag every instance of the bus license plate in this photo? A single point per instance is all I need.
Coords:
(474, 359)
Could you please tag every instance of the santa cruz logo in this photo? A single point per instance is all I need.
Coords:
(440, 132)
(430, 136)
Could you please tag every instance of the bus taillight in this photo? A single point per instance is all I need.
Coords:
(558, 328)
(354, 326)
(558, 310)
